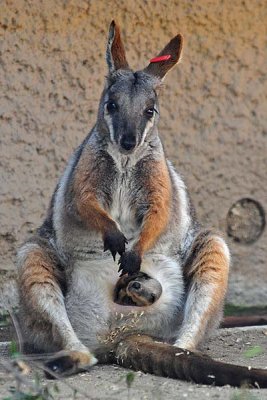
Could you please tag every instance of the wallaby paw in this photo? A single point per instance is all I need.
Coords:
(68, 363)
(130, 263)
(115, 242)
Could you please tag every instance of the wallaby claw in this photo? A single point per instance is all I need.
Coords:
(113, 255)
(115, 242)
(130, 263)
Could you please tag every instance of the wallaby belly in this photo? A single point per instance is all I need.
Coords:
(95, 317)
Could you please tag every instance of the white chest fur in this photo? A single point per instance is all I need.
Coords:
(122, 209)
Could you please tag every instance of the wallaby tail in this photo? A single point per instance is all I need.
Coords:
(246, 320)
(144, 354)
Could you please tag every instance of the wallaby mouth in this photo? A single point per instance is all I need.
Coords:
(127, 143)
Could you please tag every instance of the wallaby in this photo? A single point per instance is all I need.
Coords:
(119, 193)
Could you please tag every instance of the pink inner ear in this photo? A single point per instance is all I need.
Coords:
(160, 58)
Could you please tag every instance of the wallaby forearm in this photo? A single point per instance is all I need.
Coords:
(158, 214)
(85, 194)
(87, 188)
(92, 214)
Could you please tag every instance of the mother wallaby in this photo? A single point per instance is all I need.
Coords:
(119, 193)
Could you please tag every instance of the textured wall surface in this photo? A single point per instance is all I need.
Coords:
(213, 107)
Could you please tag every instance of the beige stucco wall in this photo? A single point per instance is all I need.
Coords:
(213, 121)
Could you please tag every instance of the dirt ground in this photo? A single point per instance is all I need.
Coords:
(110, 382)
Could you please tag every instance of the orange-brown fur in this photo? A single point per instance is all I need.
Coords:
(38, 269)
(157, 218)
(210, 267)
(85, 186)
(210, 264)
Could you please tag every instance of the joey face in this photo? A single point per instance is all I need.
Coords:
(139, 290)
(129, 109)
(144, 290)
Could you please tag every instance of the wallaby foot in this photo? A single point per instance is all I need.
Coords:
(69, 363)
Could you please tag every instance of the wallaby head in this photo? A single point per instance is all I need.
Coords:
(129, 111)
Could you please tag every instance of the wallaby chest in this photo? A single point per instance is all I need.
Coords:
(124, 204)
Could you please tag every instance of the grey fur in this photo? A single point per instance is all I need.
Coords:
(89, 273)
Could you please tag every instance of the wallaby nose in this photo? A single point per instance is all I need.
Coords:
(135, 285)
(128, 142)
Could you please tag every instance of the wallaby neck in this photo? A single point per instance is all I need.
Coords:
(151, 148)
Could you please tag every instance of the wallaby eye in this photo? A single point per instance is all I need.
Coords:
(149, 112)
(152, 298)
(111, 107)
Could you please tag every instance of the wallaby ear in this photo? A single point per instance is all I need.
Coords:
(115, 55)
(167, 58)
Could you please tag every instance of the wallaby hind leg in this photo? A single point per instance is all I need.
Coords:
(206, 277)
(44, 318)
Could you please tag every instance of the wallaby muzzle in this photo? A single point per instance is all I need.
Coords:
(128, 143)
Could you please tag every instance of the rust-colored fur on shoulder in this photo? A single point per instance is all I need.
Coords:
(159, 196)
(85, 187)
